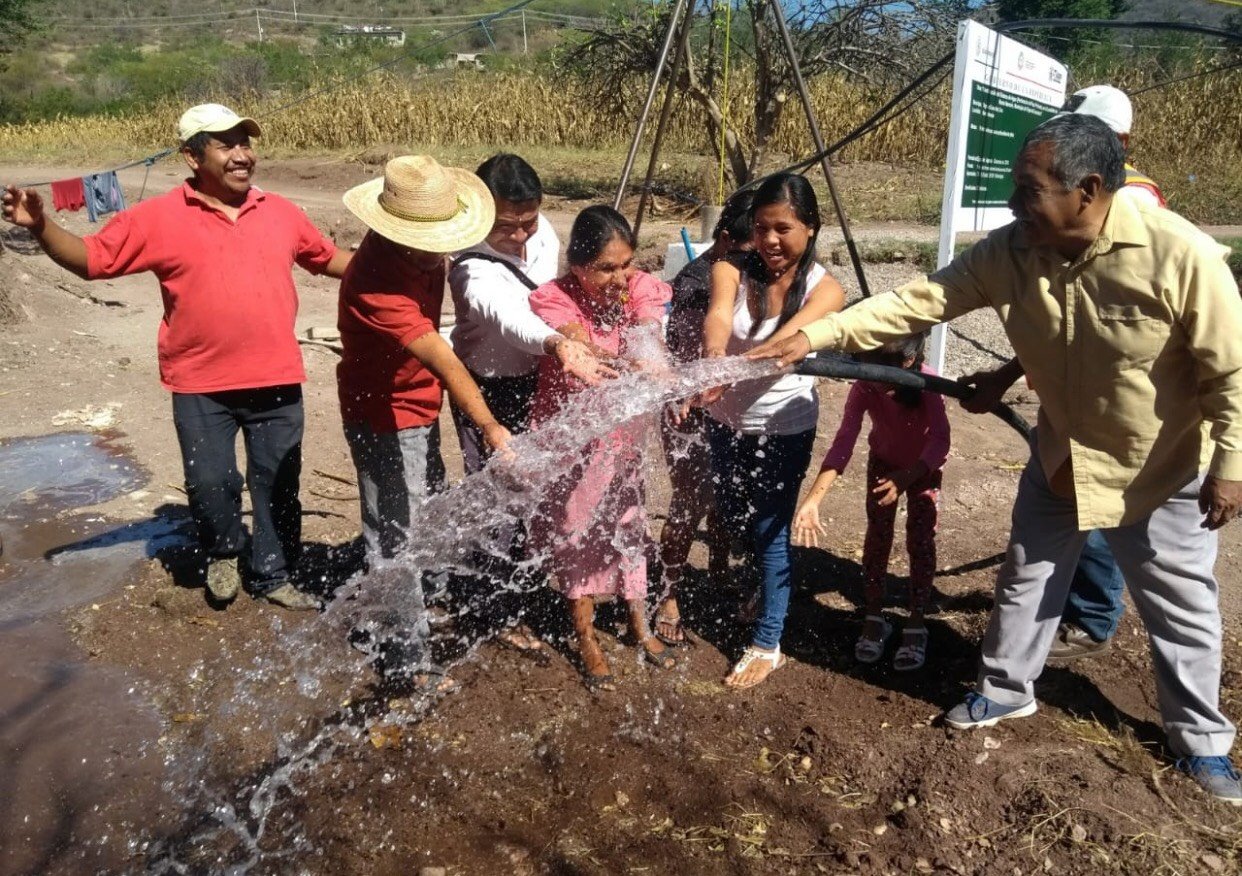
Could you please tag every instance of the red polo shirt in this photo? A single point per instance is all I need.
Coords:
(386, 303)
(229, 298)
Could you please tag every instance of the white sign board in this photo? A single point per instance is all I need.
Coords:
(1001, 90)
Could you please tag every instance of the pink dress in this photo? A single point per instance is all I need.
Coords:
(594, 522)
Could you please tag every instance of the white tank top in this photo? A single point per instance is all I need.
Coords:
(783, 405)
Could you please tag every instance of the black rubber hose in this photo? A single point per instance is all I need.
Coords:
(841, 366)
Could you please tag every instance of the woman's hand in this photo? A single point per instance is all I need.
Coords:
(653, 367)
(807, 527)
(710, 396)
(578, 360)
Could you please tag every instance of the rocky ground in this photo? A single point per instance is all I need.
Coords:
(827, 768)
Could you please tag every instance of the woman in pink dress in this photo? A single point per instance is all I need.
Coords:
(594, 521)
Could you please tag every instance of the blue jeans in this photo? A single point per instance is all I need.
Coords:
(1094, 604)
(756, 478)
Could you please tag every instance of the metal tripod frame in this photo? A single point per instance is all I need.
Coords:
(679, 31)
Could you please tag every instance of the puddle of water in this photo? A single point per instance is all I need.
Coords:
(51, 473)
(55, 559)
(79, 768)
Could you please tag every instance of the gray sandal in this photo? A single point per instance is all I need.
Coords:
(868, 651)
(911, 656)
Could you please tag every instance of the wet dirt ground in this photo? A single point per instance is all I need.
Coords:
(116, 670)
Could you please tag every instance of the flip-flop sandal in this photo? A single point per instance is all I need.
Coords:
(661, 659)
(434, 683)
(537, 652)
(910, 657)
(673, 621)
(775, 658)
(869, 651)
(597, 681)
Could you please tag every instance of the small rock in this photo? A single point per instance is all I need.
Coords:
(432, 871)
(990, 743)
(981, 757)
(1078, 833)
(880, 829)
(1215, 863)
(623, 800)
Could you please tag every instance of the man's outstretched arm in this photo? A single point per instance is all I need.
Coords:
(24, 208)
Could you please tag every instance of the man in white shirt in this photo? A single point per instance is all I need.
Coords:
(501, 342)
(496, 335)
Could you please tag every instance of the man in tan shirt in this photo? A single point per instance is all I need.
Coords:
(1125, 319)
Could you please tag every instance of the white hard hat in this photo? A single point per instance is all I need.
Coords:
(1109, 105)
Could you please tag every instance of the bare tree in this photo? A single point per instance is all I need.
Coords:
(876, 41)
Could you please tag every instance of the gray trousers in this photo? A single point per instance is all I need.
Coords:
(396, 471)
(1166, 559)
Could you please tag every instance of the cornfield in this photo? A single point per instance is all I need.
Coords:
(1189, 125)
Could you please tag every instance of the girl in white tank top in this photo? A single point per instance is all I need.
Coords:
(761, 431)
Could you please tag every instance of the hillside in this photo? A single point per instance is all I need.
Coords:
(165, 21)
(1196, 11)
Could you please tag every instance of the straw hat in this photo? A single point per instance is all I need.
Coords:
(422, 205)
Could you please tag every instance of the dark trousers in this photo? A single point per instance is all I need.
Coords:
(499, 597)
(509, 399)
(756, 479)
(270, 420)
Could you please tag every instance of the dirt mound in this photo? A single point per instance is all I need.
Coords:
(12, 278)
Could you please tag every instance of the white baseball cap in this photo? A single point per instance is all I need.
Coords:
(1109, 105)
(213, 118)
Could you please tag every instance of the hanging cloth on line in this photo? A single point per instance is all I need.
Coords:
(68, 194)
(103, 194)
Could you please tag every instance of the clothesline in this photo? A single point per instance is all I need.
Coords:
(148, 161)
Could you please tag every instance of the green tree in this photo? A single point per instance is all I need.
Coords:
(17, 19)
(877, 42)
(1072, 44)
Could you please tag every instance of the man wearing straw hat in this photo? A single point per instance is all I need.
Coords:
(223, 251)
(395, 366)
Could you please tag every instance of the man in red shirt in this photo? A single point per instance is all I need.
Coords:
(223, 251)
(395, 367)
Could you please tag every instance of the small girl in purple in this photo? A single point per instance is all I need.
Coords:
(908, 446)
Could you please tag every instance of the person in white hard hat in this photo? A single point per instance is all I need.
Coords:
(1111, 106)
(223, 251)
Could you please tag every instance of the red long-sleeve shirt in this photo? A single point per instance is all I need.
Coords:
(900, 436)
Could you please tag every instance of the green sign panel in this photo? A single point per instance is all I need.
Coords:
(999, 121)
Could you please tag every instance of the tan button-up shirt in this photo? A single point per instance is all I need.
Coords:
(1130, 347)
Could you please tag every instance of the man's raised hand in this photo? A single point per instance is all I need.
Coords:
(787, 352)
(22, 207)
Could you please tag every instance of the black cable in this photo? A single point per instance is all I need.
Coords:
(1167, 82)
(841, 366)
(880, 118)
(406, 55)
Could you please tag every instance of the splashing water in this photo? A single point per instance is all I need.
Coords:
(468, 530)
